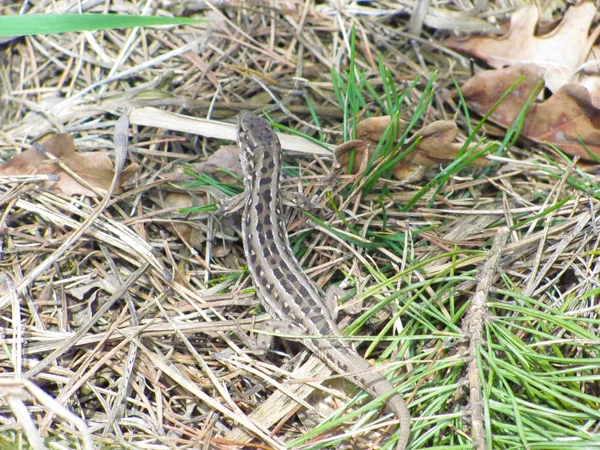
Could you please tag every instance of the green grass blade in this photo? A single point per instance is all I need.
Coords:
(25, 25)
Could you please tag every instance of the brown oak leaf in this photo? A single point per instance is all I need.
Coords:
(560, 52)
(95, 168)
(562, 120)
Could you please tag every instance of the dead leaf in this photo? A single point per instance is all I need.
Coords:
(180, 200)
(225, 159)
(352, 152)
(107, 284)
(561, 120)
(437, 146)
(192, 227)
(225, 166)
(94, 168)
(559, 53)
(373, 128)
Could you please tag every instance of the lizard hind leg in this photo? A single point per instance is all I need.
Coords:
(332, 295)
(263, 341)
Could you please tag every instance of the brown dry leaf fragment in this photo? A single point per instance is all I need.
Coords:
(437, 146)
(356, 152)
(195, 236)
(193, 228)
(484, 89)
(560, 120)
(225, 159)
(221, 165)
(81, 292)
(559, 52)
(95, 168)
(372, 128)
(438, 140)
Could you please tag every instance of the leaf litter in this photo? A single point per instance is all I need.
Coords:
(77, 173)
(152, 359)
(563, 60)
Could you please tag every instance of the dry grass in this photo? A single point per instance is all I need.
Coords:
(132, 326)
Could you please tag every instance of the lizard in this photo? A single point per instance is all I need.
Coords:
(285, 291)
